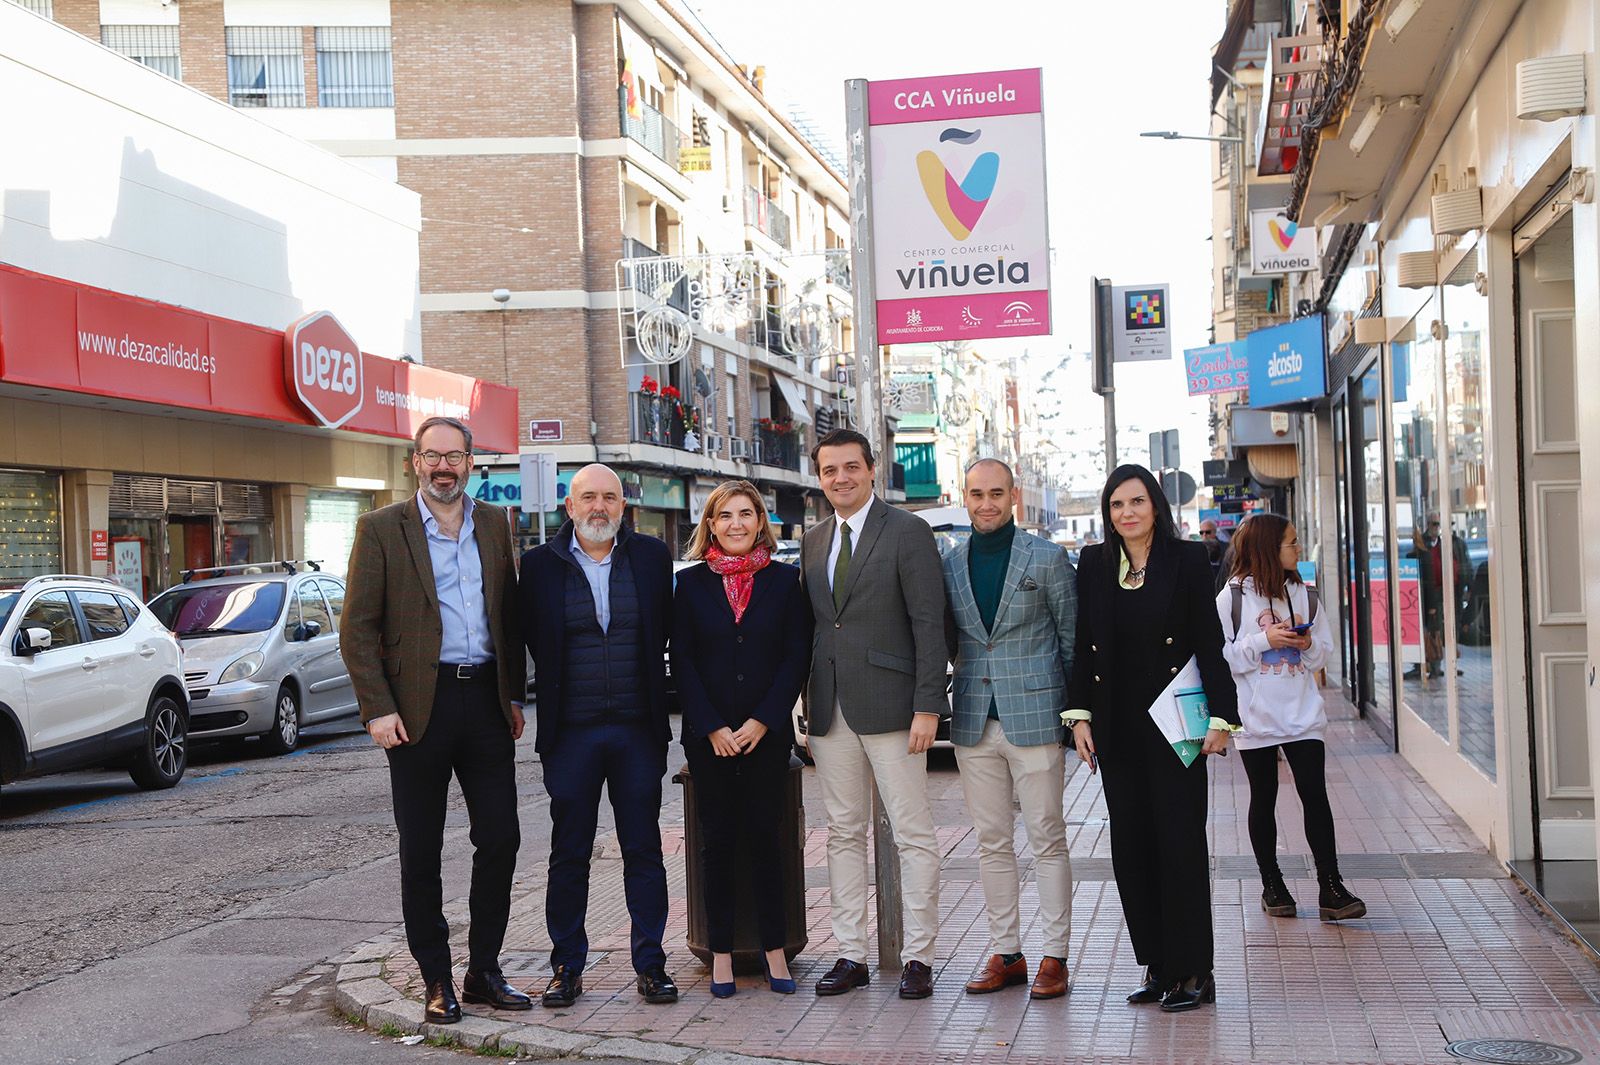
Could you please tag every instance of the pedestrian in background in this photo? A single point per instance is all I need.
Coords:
(741, 649)
(1012, 618)
(1278, 639)
(877, 691)
(430, 638)
(596, 610)
(1145, 607)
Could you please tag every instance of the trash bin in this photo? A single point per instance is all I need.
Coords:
(746, 940)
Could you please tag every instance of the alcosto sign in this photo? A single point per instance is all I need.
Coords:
(1288, 363)
(322, 365)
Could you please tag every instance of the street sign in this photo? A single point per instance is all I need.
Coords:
(1164, 450)
(1179, 488)
(323, 367)
(544, 431)
(1141, 324)
(538, 481)
(1225, 471)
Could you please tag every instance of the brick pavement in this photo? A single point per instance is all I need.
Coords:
(1450, 949)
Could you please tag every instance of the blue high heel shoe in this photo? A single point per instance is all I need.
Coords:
(782, 987)
(727, 990)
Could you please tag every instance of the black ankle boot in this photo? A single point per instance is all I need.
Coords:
(1275, 897)
(1335, 902)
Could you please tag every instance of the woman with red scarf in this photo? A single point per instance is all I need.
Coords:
(741, 649)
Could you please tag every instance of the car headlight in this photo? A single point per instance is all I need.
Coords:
(242, 669)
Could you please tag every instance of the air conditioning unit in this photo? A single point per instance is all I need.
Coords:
(1416, 269)
(738, 449)
(1458, 211)
(1551, 87)
(715, 442)
(730, 203)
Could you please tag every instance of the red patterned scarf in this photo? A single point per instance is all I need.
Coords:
(738, 574)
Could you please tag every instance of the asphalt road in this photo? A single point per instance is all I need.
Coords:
(175, 926)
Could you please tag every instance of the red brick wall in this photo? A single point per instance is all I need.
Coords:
(308, 56)
(598, 72)
(80, 15)
(202, 47)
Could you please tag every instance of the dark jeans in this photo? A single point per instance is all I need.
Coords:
(630, 761)
(466, 735)
(739, 806)
(1307, 760)
(1157, 810)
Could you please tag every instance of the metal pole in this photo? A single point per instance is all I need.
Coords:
(869, 419)
(1111, 424)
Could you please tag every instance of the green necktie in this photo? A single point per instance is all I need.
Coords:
(841, 567)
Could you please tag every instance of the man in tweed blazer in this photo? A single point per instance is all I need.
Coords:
(1013, 611)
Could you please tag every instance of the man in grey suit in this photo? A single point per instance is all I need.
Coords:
(874, 700)
(1013, 615)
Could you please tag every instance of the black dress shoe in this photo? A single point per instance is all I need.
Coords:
(563, 989)
(1190, 993)
(844, 975)
(916, 981)
(442, 1006)
(1151, 990)
(657, 987)
(489, 988)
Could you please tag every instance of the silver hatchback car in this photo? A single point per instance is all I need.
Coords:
(260, 651)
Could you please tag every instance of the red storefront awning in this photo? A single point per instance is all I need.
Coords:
(61, 335)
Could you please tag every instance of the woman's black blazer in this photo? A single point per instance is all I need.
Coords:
(1178, 571)
(728, 673)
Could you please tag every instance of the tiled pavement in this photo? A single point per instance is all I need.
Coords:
(1450, 950)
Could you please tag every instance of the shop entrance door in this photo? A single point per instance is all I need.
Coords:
(1555, 614)
(191, 544)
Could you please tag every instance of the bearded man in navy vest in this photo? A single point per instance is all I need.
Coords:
(596, 611)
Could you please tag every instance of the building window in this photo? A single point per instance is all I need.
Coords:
(38, 7)
(354, 67)
(154, 46)
(265, 67)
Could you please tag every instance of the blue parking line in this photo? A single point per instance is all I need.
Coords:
(190, 780)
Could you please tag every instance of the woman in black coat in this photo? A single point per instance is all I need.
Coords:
(1145, 606)
(741, 649)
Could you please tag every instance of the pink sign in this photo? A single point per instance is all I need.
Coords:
(961, 249)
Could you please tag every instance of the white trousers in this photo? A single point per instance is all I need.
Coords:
(992, 771)
(844, 762)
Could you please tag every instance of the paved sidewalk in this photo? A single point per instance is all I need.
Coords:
(1450, 951)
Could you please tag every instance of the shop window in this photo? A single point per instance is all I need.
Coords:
(30, 524)
(245, 542)
(53, 611)
(103, 614)
(153, 46)
(265, 66)
(331, 526)
(354, 67)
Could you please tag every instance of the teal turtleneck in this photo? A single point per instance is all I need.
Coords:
(987, 561)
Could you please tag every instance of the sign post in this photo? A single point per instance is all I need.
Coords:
(538, 484)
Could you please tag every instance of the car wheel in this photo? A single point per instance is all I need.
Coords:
(164, 753)
(284, 735)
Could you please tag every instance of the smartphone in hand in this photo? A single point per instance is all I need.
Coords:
(1301, 629)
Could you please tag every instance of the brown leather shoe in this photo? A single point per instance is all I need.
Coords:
(916, 981)
(996, 974)
(844, 975)
(1051, 980)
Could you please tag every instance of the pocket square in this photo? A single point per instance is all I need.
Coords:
(1029, 584)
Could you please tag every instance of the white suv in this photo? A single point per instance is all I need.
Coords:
(88, 677)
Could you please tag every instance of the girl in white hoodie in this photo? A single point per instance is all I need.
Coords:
(1277, 640)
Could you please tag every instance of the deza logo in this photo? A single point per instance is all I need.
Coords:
(1286, 362)
(959, 204)
(322, 366)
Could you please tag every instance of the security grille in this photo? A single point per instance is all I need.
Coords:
(355, 67)
(38, 7)
(191, 497)
(135, 496)
(245, 502)
(154, 46)
(265, 67)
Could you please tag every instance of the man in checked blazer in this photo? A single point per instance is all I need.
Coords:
(1013, 613)
(874, 701)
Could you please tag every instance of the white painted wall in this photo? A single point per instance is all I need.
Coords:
(118, 177)
(301, 12)
(138, 13)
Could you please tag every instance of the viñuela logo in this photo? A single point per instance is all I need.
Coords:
(959, 204)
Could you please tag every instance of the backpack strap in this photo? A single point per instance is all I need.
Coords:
(1311, 605)
(1238, 605)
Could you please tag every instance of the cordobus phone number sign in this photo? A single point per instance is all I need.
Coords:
(1217, 368)
(961, 250)
(1288, 363)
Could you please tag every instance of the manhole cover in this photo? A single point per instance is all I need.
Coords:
(1513, 1051)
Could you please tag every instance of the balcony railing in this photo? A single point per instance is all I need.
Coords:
(762, 213)
(776, 446)
(652, 129)
(664, 282)
(655, 421)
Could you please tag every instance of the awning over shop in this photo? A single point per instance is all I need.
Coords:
(792, 396)
(56, 334)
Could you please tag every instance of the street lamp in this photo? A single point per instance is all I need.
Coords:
(1174, 135)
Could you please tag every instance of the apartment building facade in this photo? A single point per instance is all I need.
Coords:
(591, 174)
